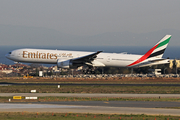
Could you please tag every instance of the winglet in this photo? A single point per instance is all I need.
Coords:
(99, 52)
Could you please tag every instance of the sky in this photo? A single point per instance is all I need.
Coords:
(90, 17)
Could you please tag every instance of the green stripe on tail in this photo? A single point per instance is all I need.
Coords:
(164, 43)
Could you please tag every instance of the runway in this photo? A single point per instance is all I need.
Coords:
(87, 84)
(134, 104)
(94, 107)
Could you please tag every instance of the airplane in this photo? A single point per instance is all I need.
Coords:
(75, 59)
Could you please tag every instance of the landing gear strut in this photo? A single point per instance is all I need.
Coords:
(89, 70)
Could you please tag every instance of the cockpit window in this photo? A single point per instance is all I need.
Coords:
(9, 52)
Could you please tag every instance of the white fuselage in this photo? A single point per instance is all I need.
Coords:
(51, 56)
(74, 59)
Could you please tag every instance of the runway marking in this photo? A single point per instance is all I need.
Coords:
(106, 102)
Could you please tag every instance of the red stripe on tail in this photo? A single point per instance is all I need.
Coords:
(144, 56)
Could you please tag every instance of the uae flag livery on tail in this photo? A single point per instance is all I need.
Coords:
(155, 53)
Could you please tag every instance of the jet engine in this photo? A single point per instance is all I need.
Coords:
(64, 63)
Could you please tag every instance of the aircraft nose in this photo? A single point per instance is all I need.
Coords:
(7, 55)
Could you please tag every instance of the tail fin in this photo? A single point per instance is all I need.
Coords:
(156, 52)
(160, 47)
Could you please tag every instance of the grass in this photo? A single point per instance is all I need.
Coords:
(52, 99)
(92, 89)
(114, 80)
(77, 116)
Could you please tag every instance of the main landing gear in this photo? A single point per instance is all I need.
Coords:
(88, 70)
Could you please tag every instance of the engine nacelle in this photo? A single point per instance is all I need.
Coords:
(64, 63)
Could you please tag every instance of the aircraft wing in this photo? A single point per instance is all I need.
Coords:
(88, 58)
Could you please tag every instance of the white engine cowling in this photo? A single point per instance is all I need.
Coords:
(64, 63)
